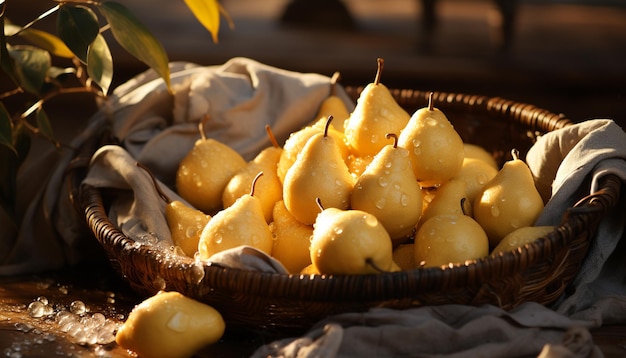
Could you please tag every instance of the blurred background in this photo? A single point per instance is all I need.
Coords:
(567, 56)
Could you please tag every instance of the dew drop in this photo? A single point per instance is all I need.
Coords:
(78, 307)
(23, 327)
(191, 232)
(36, 309)
(370, 220)
(404, 200)
(383, 181)
(380, 203)
(338, 230)
(495, 210)
(374, 138)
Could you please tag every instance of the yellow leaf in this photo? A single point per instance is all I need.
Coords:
(208, 14)
(48, 42)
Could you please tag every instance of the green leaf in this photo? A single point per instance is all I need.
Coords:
(135, 38)
(31, 65)
(6, 129)
(208, 14)
(43, 124)
(48, 42)
(77, 26)
(100, 63)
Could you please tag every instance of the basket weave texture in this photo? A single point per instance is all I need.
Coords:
(278, 303)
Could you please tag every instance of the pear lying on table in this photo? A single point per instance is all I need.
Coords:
(171, 325)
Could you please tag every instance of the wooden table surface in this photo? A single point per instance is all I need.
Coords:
(103, 292)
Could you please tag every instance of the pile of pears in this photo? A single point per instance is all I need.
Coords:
(366, 191)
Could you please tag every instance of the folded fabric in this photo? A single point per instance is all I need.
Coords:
(437, 331)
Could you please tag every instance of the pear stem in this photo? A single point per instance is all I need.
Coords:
(395, 138)
(318, 201)
(270, 134)
(379, 70)
(253, 185)
(515, 154)
(463, 200)
(371, 262)
(330, 119)
(333, 83)
(431, 106)
(156, 184)
(201, 126)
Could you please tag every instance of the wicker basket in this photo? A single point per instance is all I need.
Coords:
(278, 303)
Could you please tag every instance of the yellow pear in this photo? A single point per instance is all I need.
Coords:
(376, 113)
(388, 190)
(520, 237)
(205, 171)
(297, 140)
(477, 152)
(475, 173)
(435, 147)
(185, 223)
(449, 239)
(170, 325)
(450, 198)
(309, 270)
(334, 106)
(508, 201)
(350, 242)
(268, 190)
(242, 223)
(404, 256)
(291, 239)
(318, 172)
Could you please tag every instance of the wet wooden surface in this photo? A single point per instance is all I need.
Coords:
(103, 292)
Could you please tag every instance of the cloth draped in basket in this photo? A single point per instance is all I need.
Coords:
(242, 96)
